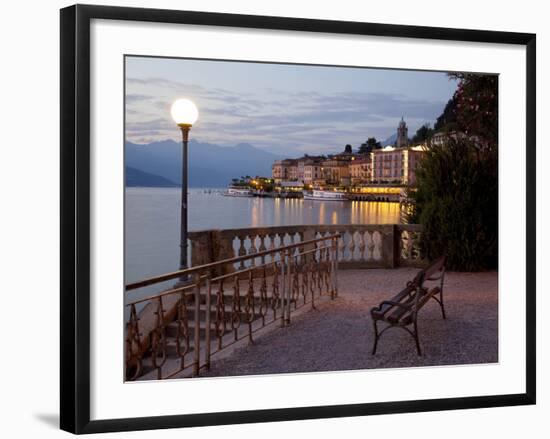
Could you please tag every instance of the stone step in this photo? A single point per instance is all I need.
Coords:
(172, 357)
(172, 348)
(172, 329)
(148, 371)
(228, 312)
(228, 299)
(151, 373)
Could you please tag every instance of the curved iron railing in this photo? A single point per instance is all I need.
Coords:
(212, 306)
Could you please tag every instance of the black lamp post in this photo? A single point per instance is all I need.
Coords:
(185, 113)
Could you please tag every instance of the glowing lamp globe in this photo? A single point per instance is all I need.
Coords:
(184, 112)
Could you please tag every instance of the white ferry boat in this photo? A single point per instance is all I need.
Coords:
(238, 192)
(322, 195)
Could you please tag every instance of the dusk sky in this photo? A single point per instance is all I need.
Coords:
(285, 109)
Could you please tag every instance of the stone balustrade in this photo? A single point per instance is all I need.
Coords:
(360, 246)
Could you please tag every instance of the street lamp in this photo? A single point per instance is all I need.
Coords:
(185, 114)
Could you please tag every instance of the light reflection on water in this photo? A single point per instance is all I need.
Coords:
(152, 221)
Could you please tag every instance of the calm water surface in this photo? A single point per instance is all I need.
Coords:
(152, 220)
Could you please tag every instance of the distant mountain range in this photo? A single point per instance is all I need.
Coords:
(137, 178)
(390, 140)
(210, 165)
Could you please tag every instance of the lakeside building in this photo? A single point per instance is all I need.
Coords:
(360, 170)
(307, 169)
(396, 165)
(335, 169)
(389, 165)
(441, 138)
(290, 186)
(312, 171)
(284, 170)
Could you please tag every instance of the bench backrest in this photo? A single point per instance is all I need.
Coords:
(435, 270)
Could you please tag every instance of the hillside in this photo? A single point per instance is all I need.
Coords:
(210, 165)
(137, 178)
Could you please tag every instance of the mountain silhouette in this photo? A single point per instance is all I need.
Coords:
(137, 178)
(210, 165)
(390, 140)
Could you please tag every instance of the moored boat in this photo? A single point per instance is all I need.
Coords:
(238, 192)
(323, 195)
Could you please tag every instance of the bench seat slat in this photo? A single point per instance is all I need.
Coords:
(406, 315)
(429, 294)
(399, 312)
(385, 307)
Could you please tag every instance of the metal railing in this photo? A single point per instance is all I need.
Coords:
(212, 306)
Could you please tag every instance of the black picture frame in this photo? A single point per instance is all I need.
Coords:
(75, 217)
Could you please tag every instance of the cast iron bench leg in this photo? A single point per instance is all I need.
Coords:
(441, 303)
(375, 336)
(416, 338)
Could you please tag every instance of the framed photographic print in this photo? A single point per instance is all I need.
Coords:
(340, 214)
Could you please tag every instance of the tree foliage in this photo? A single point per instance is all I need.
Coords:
(477, 107)
(422, 133)
(447, 119)
(457, 182)
(457, 203)
(370, 145)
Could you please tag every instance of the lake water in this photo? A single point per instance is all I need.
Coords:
(152, 218)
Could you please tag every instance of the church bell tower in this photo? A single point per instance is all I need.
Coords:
(402, 134)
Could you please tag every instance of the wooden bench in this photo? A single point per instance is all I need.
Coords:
(401, 311)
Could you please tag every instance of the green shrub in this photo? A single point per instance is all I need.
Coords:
(457, 204)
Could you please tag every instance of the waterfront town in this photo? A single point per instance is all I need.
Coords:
(372, 173)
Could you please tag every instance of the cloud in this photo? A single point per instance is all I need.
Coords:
(274, 119)
(134, 98)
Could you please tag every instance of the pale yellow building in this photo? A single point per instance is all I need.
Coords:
(360, 170)
(396, 165)
(284, 170)
(335, 171)
(312, 172)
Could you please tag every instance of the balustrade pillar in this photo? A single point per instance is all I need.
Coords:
(389, 255)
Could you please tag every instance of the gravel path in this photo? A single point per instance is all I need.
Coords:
(339, 334)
